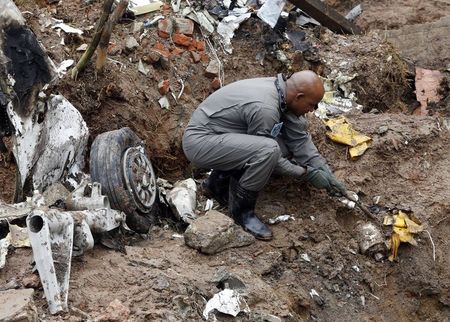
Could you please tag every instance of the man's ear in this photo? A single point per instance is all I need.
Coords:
(299, 95)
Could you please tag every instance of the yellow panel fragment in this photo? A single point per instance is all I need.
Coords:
(404, 229)
(341, 131)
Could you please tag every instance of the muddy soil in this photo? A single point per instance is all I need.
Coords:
(161, 279)
(387, 14)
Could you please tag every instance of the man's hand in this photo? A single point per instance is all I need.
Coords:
(323, 178)
(336, 186)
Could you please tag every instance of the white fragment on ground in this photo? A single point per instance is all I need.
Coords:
(228, 302)
(62, 68)
(82, 47)
(209, 204)
(67, 29)
(312, 218)
(305, 257)
(313, 293)
(164, 102)
(183, 199)
(229, 24)
(356, 268)
(281, 218)
(4, 244)
(270, 11)
(142, 69)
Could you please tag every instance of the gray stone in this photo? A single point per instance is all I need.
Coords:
(215, 232)
(131, 43)
(17, 305)
(213, 69)
(137, 27)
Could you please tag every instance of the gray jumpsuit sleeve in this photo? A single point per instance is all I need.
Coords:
(299, 142)
(261, 122)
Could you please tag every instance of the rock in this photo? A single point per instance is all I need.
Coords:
(195, 56)
(31, 281)
(184, 26)
(164, 86)
(114, 50)
(213, 69)
(131, 43)
(215, 232)
(151, 56)
(182, 40)
(115, 311)
(17, 305)
(137, 27)
(215, 84)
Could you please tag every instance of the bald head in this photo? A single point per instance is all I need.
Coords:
(304, 90)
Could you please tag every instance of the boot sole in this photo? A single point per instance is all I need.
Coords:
(257, 237)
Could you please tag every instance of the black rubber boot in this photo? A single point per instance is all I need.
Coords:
(216, 186)
(242, 206)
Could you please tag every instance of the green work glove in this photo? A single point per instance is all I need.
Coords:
(317, 178)
(336, 186)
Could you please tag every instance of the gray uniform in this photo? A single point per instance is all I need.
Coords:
(242, 126)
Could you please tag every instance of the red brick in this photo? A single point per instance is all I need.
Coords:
(199, 45)
(164, 86)
(160, 48)
(162, 34)
(182, 40)
(178, 51)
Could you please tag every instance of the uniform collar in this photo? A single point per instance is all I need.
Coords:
(280, 83)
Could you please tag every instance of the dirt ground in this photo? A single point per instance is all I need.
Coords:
(388, 14)
(161, 279)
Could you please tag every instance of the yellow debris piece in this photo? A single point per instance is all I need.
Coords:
(341, 131)
(403, 231)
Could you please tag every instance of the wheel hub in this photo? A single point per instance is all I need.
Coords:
(139, 178)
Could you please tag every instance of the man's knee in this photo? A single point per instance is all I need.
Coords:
(271, 151)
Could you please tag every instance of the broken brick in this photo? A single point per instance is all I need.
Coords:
(195, 56)
(184, 26)
(213, 69)
(178, 51)
(165, 28)
(160, 46)
(215, 84)
(182, 40)
(199, 44)
(162, 34)
(164, 86)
